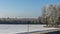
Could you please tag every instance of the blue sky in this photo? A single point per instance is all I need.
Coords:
(23, 8)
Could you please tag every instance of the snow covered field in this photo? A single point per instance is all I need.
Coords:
(11, 29)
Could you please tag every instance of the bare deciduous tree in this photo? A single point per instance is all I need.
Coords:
(51, 15)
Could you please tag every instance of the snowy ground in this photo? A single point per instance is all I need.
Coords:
(10, 29)
(38, 28)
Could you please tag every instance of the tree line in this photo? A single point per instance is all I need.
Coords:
(19, 21)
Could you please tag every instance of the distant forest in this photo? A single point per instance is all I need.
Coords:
(20, 21)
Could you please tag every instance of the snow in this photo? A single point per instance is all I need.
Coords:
(11, 29)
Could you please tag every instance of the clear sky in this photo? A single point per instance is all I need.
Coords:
(23, 8)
